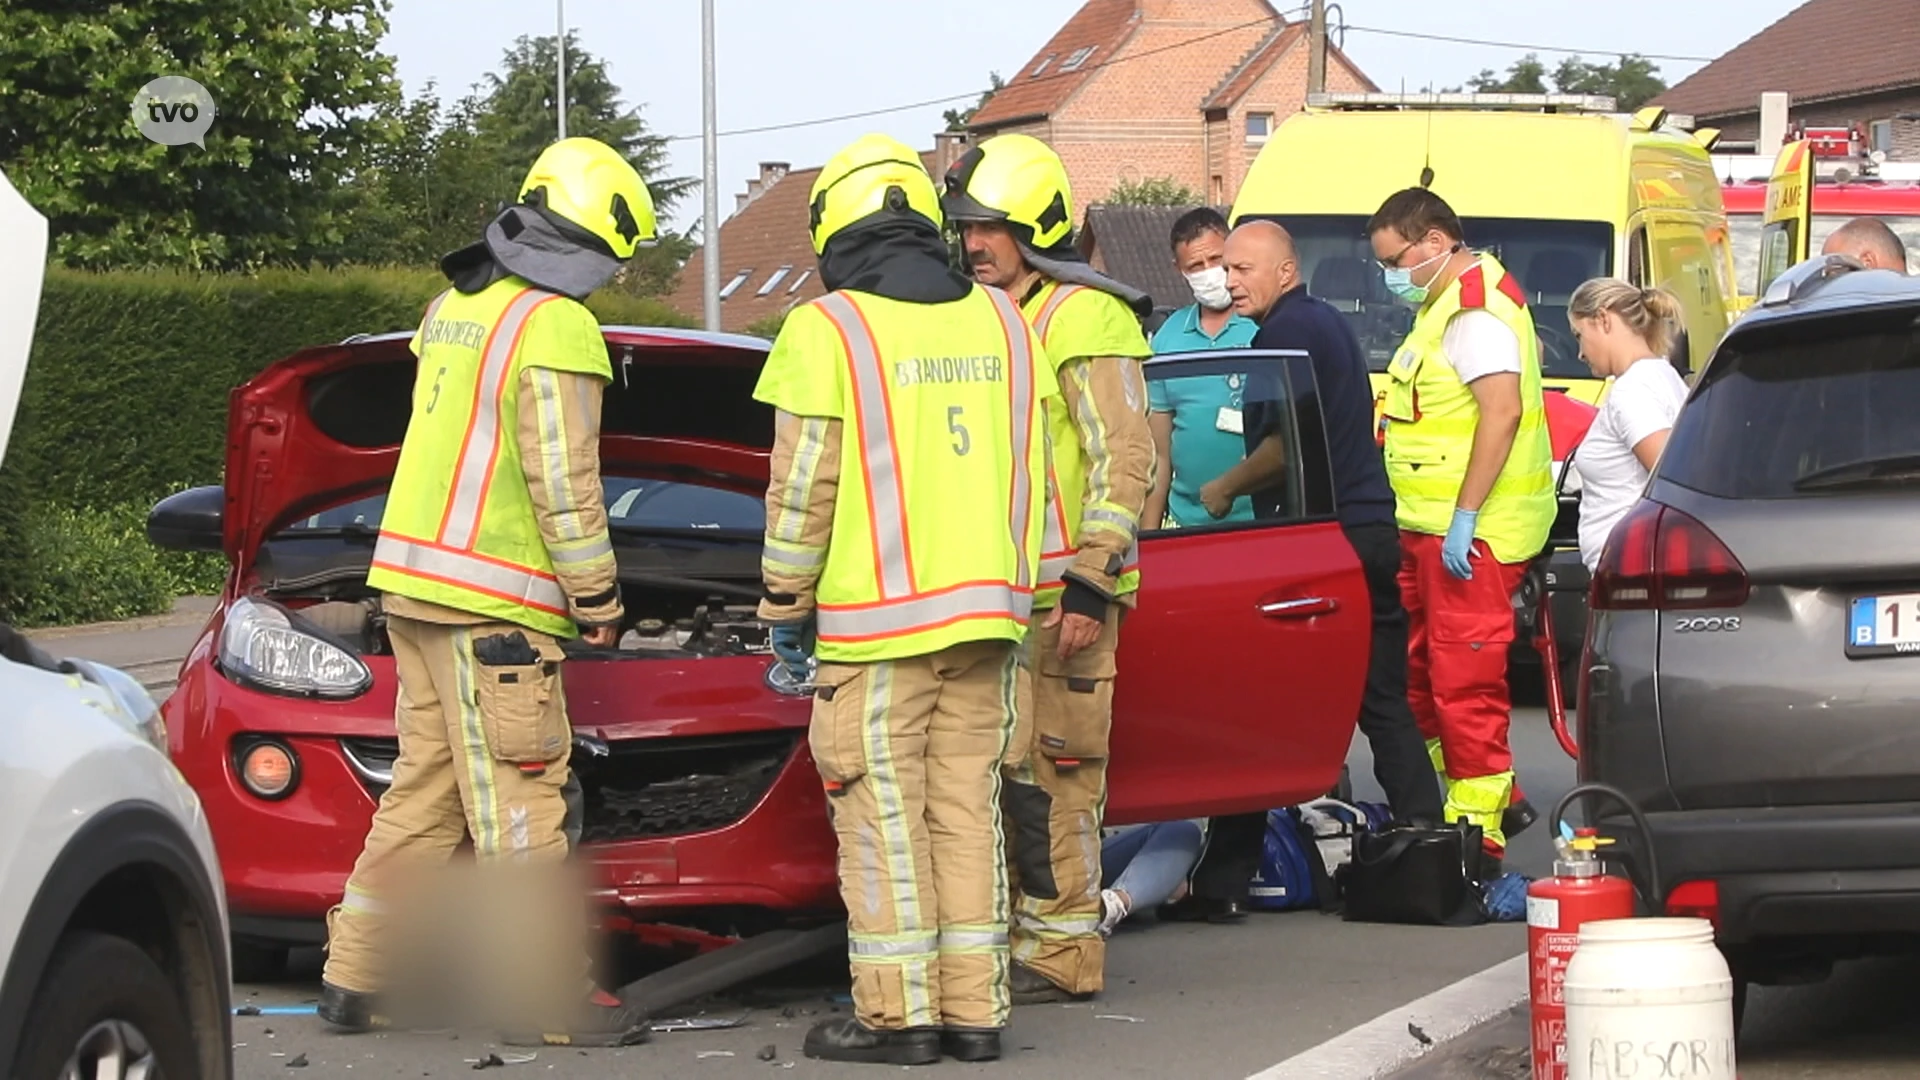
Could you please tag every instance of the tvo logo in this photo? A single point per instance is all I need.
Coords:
(173, 110)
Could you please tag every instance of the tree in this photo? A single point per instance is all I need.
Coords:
(449, 169)
(1156, 191)
(958, 119)
(1632, 81)
(302, 95)
(1527, 76)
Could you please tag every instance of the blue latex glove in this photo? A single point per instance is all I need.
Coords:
(1459, 544)
(793, 646)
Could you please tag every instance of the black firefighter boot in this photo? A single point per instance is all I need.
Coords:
(350, 1010)
(970, 1044)
(847, 1039)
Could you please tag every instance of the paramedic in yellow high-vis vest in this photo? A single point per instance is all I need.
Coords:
(493, 548)
(1010, 198)
(1471, 468)
(902, 548)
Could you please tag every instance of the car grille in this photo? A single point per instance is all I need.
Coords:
(641, 788)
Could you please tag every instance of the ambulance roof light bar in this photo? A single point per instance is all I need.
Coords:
(1587, 103)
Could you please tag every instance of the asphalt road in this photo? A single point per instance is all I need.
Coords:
(1203, 1001)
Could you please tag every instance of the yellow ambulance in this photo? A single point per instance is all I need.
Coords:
(1560, 188)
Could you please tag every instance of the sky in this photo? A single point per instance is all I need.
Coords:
(782, 62)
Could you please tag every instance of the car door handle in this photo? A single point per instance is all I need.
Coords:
(1303, 608)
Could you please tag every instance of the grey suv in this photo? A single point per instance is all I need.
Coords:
(1751, 676)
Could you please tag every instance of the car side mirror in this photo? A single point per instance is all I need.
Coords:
(189, 520)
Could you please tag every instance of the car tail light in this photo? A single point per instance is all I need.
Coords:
(269, 769)
(1659, 559)
(1695, 900)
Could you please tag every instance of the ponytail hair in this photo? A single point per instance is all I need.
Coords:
(1653, 314)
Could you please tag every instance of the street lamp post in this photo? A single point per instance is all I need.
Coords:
(560, 78)
(710, 221)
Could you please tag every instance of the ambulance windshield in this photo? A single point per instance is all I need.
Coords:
(1551, 259)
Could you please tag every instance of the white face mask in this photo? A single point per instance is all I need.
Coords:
(1210, 288)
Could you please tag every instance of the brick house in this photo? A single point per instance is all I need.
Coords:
(1134, 244)
(767, 261)
(1842, 63)
(1131, 90)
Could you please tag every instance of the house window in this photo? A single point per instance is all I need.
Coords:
(1880, 136)
(799, 281)
(1219, 189)
(1041, 68)
(739, 279)
(1259, 126)
(1078, 58)
(774, 280)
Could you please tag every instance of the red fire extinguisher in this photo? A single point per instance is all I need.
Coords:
(1580, 891)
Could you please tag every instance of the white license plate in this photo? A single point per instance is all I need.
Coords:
(1884, 626)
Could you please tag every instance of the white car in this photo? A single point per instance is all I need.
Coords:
(113, 927)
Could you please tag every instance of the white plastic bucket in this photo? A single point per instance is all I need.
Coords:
(1649, 999)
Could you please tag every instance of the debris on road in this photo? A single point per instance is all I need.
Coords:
(768, 1052)
(701, 1023)
(298, 1062)
(1117, 1016)
(1417, 1032)
(714, 1053)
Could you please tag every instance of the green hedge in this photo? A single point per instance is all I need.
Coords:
(126, 402)
(126, 393)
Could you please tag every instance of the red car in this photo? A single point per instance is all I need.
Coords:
(1240, 674)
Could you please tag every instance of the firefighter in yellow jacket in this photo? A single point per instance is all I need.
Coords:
(1011, 201)
(492, 549)
(902, 545)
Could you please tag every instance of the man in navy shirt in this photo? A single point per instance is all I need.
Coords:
(1264, 277)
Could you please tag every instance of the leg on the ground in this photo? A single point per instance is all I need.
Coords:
(1400, 758)
(417, 825)
(1058, 799)
(1471, 629)
(972, 722)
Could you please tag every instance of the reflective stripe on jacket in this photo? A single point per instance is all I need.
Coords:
(1431, 417)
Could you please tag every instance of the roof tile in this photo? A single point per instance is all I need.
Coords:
(1820, 51)
(1100, 25)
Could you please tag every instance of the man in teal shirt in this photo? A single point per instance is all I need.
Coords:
(1196, 419)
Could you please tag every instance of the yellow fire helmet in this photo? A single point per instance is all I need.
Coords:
(877, 174)
(1016, 179)
(586, 183)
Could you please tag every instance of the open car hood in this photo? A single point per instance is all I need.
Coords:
(324, 426)
(21, 271)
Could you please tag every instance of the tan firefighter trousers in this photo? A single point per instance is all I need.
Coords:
(484, 749)
(911, 752)
(1055, 799)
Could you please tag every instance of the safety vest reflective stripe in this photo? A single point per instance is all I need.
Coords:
(1052, 307)
(480, 450)
(502, 580)
(902, 607)
(929, 611)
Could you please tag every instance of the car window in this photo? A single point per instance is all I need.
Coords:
(631, 503)
(1550, 259)
(1745, 231)
(1780, 406)
(1237, 424)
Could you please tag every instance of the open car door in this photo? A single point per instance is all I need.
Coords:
(1786, 227)
(21, 273)
(1241, 671)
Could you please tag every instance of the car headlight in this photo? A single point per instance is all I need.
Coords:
(266, 646)
(137, 707)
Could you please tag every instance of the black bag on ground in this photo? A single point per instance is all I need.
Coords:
(1420, 875)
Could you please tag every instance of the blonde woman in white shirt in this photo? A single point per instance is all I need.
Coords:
(1625, 334)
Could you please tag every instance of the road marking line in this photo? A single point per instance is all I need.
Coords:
(1384, 1044)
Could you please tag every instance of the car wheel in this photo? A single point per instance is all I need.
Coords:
(105, 1010)
(254, 962)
